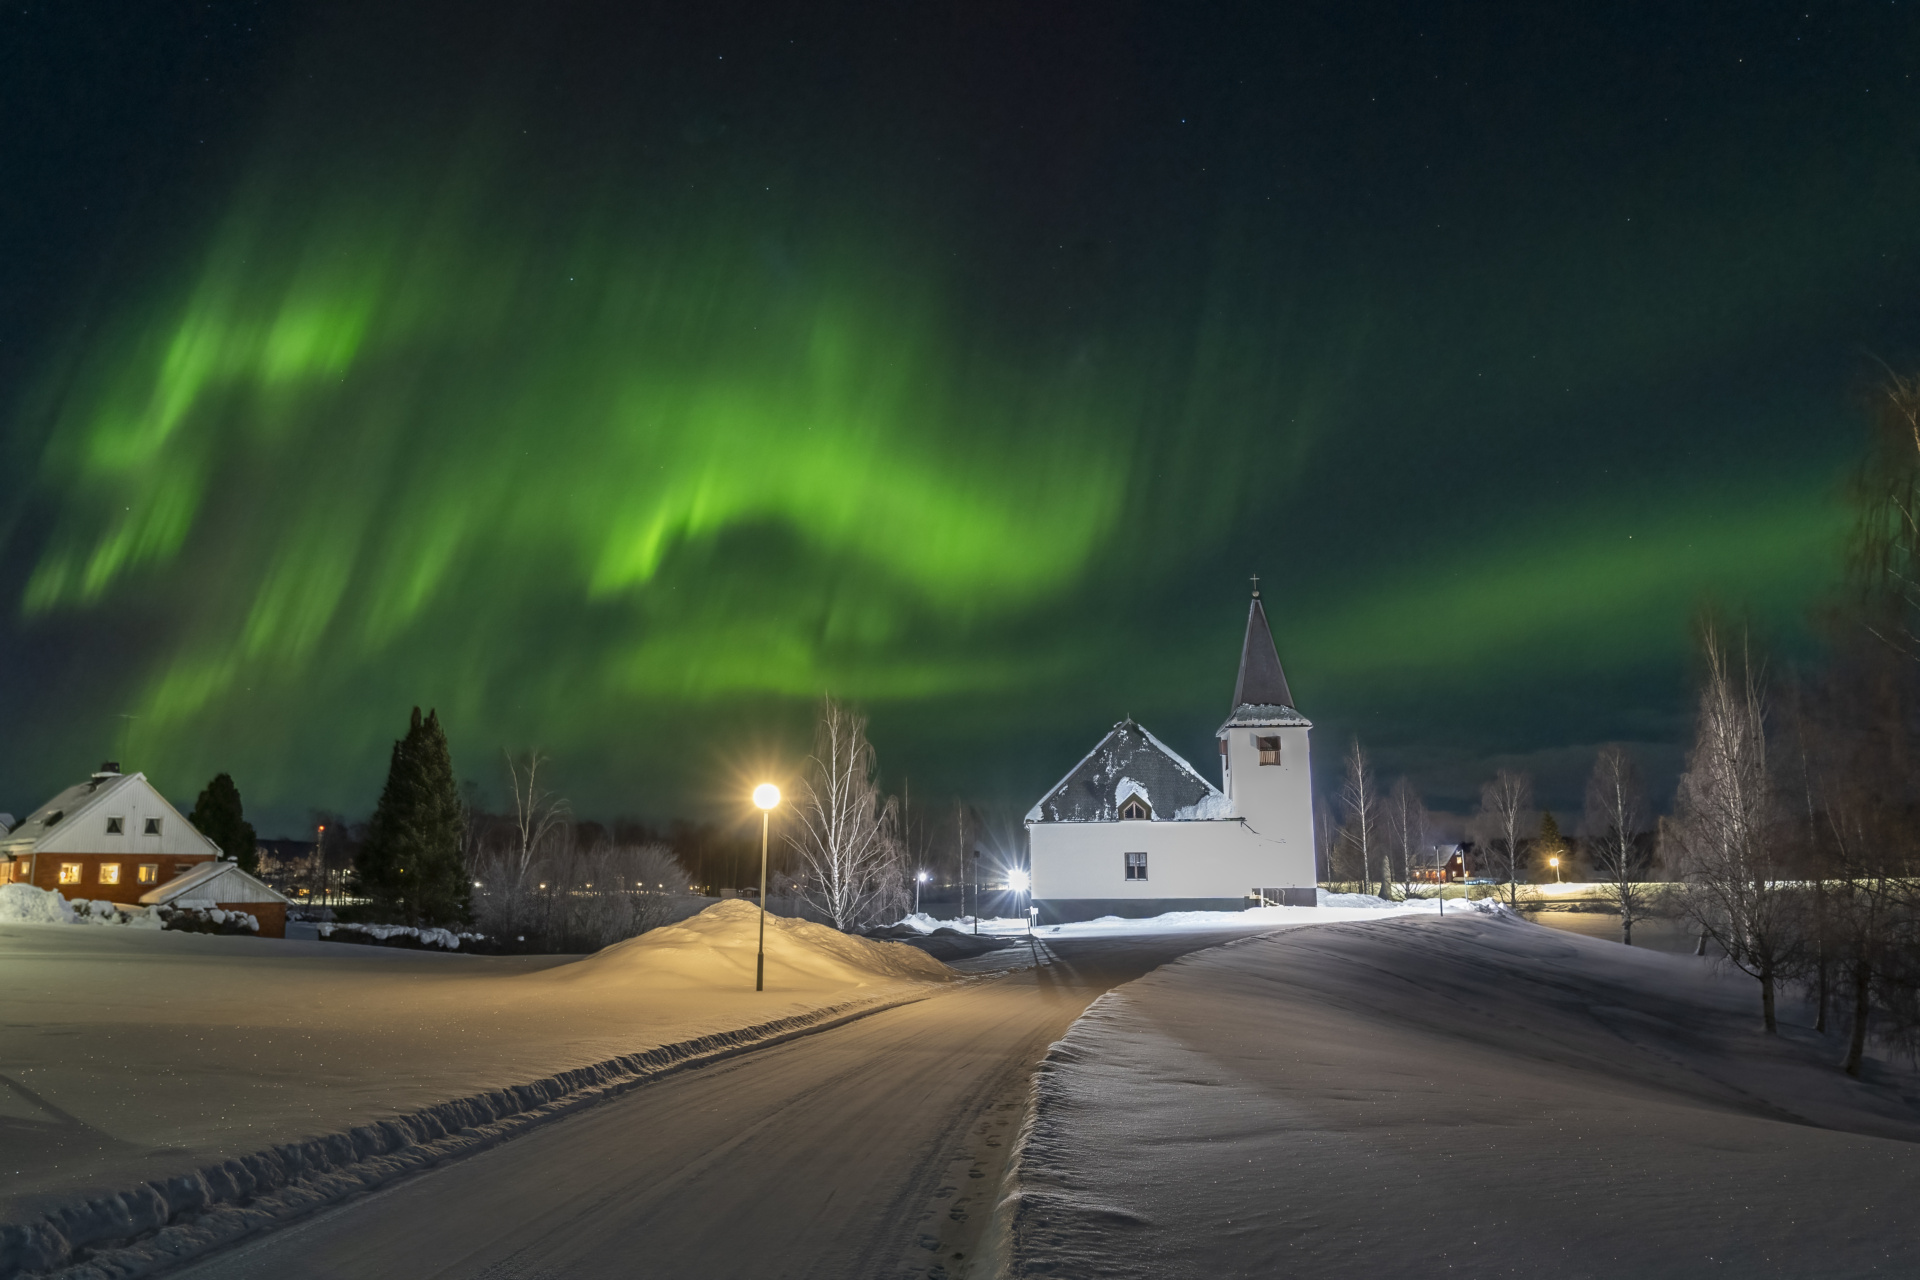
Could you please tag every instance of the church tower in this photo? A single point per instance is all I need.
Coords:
(1264, 764)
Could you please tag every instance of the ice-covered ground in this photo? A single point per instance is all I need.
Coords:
(1478, 1096)
(128, 1053)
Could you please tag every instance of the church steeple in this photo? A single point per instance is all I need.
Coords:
(1262, 683)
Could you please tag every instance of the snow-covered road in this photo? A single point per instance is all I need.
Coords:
(873, 1149)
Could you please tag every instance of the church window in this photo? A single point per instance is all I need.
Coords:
(153, 826)
(1136, 866)
(1135, 810)
(116, 826)
(1269, 749)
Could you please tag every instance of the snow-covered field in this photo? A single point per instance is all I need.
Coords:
(1477, 1097)
(130, 1053)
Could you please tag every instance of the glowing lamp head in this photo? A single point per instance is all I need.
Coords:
(766, 795)
(1018, 881)
(1553, 862)
(922, 877)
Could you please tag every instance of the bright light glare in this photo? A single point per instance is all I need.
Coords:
(1017, 881)
(922, 877)
(766, 795)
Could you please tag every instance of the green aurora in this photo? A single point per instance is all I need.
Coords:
(632, 452)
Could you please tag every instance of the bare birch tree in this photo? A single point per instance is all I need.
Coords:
(1725, 828)
(1504, 804)
(1616, 814)
(848, 839)
(1360, 800)
(1405, 821)
(538, 814)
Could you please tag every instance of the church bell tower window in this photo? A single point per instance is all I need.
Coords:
(1269, 749)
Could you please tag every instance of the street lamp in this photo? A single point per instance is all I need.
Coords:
(766, 795)
(1555, 864)
(1019, 881)
(918, 880)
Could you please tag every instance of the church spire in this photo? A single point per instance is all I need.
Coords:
(1262, 683)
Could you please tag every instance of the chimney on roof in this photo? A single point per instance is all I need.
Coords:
(108, 769)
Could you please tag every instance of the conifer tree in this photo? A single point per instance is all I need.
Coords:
(219, 816)
(410, 867)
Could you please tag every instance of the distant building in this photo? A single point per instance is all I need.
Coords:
(1134, 830)
(114, 837)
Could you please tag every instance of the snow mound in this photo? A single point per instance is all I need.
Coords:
(717, 947)
(24, 904)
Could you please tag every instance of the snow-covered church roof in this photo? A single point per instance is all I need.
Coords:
(1131, 762)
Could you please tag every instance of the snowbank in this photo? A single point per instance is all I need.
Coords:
(1333, 908)
(24, 904)
(1480, 1096)
(444, 939)
(717, 948)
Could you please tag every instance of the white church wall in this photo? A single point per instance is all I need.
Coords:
(1184, 860)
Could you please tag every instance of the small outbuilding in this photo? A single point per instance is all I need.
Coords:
(224, 886)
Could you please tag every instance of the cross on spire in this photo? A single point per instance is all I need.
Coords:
(1256, 586)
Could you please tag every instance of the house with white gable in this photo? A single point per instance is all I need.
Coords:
(1134, 830)
(115, 838)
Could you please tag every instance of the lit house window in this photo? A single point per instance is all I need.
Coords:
(1136, 866)
(1135, 810)
(116, 826)
(70, 873)
(1269, 750)
(109, 873)
(149, 873)
(153, 826)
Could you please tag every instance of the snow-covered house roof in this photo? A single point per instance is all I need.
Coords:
(1130, 762)
(84, 817)
(210, 884)
(1261, 697)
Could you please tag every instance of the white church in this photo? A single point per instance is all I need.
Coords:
(1134, 830)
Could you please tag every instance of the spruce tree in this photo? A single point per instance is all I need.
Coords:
(218, 816)
(410, 867)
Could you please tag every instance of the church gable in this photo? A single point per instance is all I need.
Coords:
(1134, 771)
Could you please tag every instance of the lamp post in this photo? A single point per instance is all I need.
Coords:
(1020, 882)
(1555, 864)
(766, 795)
(918, 880)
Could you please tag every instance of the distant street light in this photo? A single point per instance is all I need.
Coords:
(1020, 882)
(1555, 864)
(766, 795)
(918, 880)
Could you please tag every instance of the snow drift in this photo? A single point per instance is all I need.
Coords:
(717, 947)
(1478, 1096)
(24, 904)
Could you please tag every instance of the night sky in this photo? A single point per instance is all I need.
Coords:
(619, 378)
